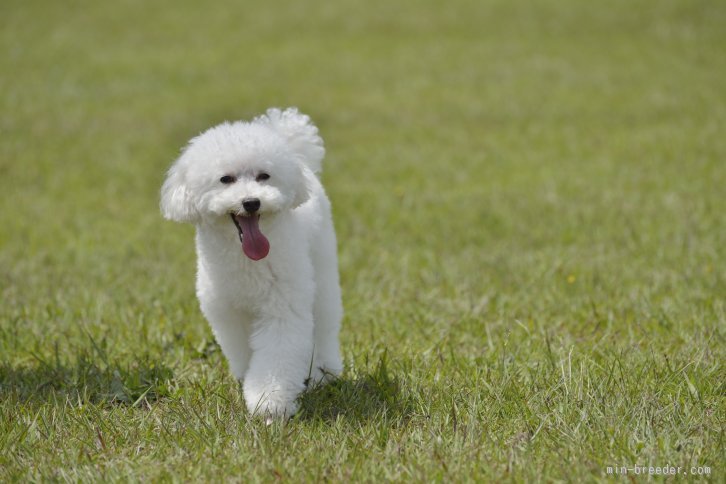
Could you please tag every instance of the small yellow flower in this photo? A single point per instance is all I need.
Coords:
(571, 279)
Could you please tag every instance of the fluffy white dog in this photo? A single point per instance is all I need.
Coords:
(267, 269)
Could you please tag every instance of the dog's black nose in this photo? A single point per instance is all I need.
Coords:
(251, 205)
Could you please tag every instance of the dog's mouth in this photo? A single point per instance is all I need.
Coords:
(254, 244)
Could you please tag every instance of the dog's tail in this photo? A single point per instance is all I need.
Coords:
(299, 131)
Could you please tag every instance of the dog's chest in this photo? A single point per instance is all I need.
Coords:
(226, 275)
(235, 278)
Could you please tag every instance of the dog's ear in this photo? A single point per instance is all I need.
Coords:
(176, 198)
(304, 190)
(300, 133)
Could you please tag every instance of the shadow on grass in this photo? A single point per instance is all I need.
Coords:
(85, 381)
(371, 395)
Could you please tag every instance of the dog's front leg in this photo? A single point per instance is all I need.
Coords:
(282, 347)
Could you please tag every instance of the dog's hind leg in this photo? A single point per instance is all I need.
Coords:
(327, 310)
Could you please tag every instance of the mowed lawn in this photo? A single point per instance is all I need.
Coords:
(530, 200)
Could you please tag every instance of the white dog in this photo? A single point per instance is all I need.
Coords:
(267, 269)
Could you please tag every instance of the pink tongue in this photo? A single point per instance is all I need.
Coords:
(254, 244)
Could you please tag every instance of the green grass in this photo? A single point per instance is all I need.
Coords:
(529, 200)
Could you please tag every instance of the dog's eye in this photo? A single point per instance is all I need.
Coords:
(227, 179)
(262, 177)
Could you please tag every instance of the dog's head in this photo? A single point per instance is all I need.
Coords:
(244, 171)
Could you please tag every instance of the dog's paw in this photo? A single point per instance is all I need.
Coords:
(271, 402)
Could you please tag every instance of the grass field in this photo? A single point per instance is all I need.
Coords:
(531, 211)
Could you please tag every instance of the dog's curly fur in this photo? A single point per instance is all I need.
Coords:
(277, 318)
